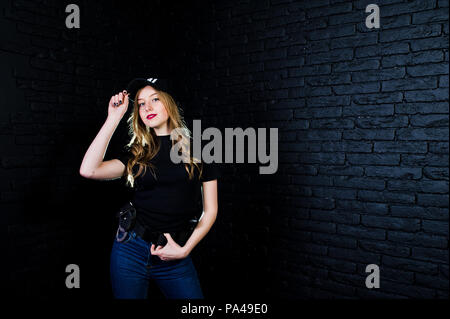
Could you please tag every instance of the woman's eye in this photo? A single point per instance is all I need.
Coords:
(155, 99)
(140, 104)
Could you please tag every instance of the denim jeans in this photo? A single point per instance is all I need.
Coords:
(132, 266)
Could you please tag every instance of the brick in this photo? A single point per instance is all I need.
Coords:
(430, 254)
(331, 32)
(425, 160)
(358, 40)
(400, 147)
(339, 170)
(356, 65)
(409, 7)
(381, 122)
(417, 239)
(369, 110)
(386, 196)
(336, 216)
(379, 75)
(328, 101)
(421, 108)
(382, 49)
(409, 264)
(433, 120)
(410, 32)
(419, 186)
(328, 79)
(430, 16)
(380, 98)
(436, 173)
(346, 146)
(415, 61)
(427, 69)
(350, 17)
(318, 113)
(361, 232)
(369, 134)
(438, 227)
(435, 200)
(318, 135)
(375, 159)
(360, 183)
(357, 88)
(329, 10)
(396, 21)
(409, 84)
(403, 173)
(385, 248)
(443, 81)
(332, 123)
(405, 224)
(433, 134)
(439, 94)
(429, 43)
(331, 57)
(310, 69)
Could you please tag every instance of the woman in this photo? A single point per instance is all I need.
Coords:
(166, 194)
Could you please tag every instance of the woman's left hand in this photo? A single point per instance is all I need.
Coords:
(170, 251)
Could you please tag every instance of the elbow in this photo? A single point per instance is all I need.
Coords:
(85, 174)
(212, 213)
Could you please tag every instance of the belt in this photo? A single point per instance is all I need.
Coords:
(158, 238)
(146, 234)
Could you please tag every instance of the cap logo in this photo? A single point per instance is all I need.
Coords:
(152, 80)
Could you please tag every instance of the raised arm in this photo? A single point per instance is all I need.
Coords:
(93, 166)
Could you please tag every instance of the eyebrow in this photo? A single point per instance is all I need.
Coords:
(149, 96)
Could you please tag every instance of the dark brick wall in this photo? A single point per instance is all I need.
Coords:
(363, 129)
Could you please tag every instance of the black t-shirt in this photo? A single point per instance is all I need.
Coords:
(168, 202)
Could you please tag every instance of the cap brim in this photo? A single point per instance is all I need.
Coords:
(136, 84)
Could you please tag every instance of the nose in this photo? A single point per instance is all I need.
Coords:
(148, 107)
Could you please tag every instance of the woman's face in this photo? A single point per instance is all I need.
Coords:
(151, 110)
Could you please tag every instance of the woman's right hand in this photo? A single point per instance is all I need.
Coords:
(118, 105)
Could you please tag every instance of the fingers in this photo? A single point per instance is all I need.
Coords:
(119, 98)
(153, 250)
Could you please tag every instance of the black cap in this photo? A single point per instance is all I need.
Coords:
(136, 84)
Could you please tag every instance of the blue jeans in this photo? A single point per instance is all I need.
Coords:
(132, 266)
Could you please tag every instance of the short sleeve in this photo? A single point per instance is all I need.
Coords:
(210, 172)
(124, 155)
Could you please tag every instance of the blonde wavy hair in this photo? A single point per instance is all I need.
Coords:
(144, 144)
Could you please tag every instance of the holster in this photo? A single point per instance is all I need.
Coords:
(127, 216)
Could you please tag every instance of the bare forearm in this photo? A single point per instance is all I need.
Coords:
(203, 227)
(96, 151)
